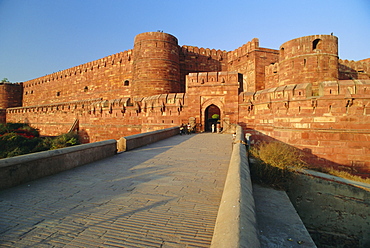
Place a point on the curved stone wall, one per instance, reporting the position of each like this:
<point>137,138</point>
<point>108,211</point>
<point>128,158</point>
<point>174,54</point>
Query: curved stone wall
<point>156,64</point>
<point>309,59</point>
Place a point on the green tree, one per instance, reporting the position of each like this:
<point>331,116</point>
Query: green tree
<point>215,116</point>
<point>4,80</point>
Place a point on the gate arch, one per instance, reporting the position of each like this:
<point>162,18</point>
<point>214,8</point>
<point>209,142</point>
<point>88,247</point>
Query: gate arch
<point>210,107</point>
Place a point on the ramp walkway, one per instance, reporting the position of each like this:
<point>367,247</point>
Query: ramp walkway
<point>165,194</point>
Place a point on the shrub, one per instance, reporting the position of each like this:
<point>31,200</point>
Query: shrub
<point>65,140</point>
<point>278,154</point>
<point>14,144</point>
<point>273,162</point>
<point>19,138</point>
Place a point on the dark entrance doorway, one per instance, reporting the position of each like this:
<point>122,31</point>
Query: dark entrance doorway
<point>212,116</point>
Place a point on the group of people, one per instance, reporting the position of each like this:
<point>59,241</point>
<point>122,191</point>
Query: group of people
<point>217,126</point>
<point>186,129</point>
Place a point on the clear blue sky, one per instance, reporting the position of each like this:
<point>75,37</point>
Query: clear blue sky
<point>39,37</point>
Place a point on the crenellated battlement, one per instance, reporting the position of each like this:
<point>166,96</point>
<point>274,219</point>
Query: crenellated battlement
<point>349,69</point>
<point>343,89</point>
<point>199,52</point>
<point>243,50</point>
<point>210,78</point>
<point>111,60</point>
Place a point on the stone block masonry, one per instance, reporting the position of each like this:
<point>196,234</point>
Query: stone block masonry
<point>332,128</point>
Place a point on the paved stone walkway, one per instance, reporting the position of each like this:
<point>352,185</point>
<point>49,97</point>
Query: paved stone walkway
<point>162,195</point>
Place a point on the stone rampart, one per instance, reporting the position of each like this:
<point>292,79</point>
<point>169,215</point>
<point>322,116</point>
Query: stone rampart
<point>349,69</point>
<point>101,119</point>
<point>25,168</point>
<point>83,82</point>
<point>250,60</point>
<point>195,59</point>
<point>332,127</point>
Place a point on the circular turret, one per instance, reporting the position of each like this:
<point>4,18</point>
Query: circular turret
<point>156,64</point>
<point>309,59</point>
<point>10,95</point>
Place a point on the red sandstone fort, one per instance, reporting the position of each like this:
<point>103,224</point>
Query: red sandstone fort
<point>301,94</point>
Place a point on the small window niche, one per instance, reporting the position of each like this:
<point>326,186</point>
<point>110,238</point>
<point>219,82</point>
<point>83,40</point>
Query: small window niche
<point>86,89</point>
<point>126,83</point>
<point>315,44</point>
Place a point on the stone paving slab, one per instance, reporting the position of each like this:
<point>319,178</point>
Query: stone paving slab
<point>165,194</point>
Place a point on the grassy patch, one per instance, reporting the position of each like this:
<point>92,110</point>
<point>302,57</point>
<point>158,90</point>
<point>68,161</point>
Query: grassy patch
<point>342,174</point>
<point>272,164</point>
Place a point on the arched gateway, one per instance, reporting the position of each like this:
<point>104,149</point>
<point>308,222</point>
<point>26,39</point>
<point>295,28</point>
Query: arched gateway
<point>212,115</point>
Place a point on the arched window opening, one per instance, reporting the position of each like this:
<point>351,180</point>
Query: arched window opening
<point>126,83</point>
<point>315,44</point>
<point>86,89</point>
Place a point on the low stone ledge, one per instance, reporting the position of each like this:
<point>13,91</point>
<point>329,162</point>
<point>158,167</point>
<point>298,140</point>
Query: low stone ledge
<point>236,224</point>
<point>137,140</point>
<point>24,168</point>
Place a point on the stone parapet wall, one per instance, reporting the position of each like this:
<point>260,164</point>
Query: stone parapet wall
<point>138,140</point>
<point>25,168</point>
<point>236,224</point>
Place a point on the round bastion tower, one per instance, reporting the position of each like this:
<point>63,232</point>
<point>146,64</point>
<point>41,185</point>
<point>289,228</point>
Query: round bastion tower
<point>10,95</point>
<point>309,59</point>
<point>156,66</point>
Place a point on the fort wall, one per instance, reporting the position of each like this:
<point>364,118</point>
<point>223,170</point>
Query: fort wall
<point>104,119</point>
<point>194,59</point>
<point>108,78</point>
<point>250,60</point>
<point>354,69</point>
<point>332,128</point>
